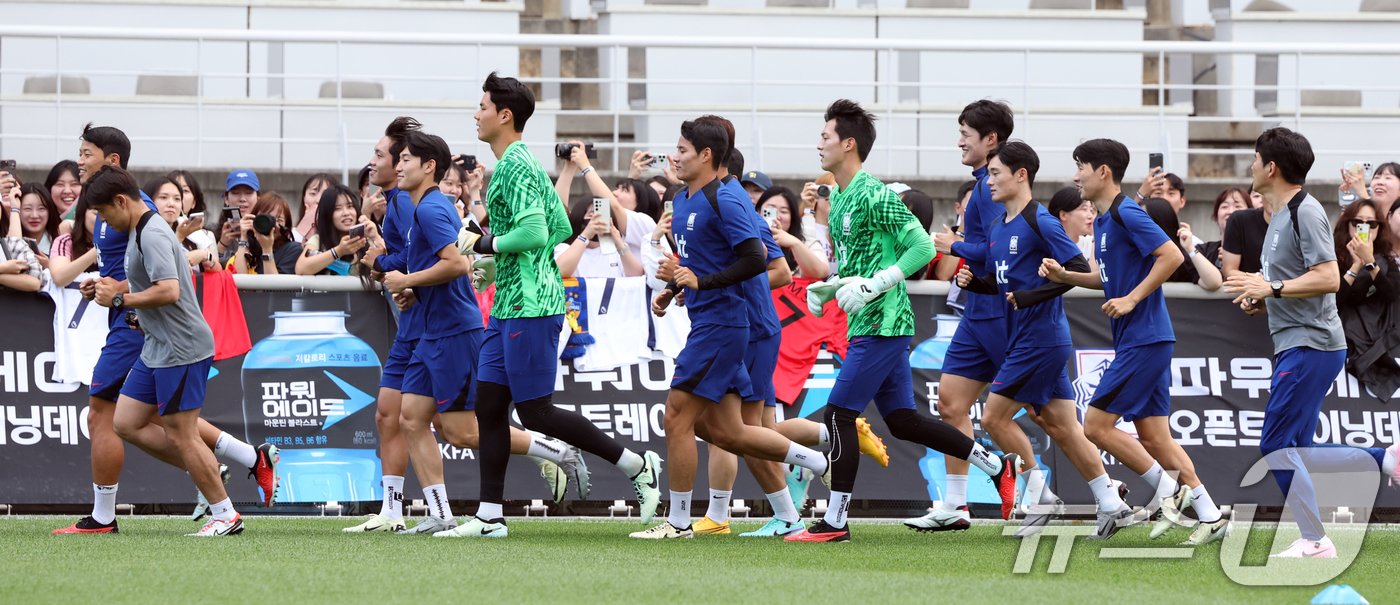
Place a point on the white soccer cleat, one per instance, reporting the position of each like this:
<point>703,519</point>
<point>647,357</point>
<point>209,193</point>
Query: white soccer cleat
<point>1109,522</point>
<point>665,531</point>
<point>1205,533</point>
<point>429,525</point>
<point>646,486</point>
<point>377,523</point>
<point>1170,511</point>
<point>1308,549</point>
<point>1038,516</point>
<point>216,528</point>
<point>201,504</point>
<point>476,528</point>
<point>577,471</point>
<point>941,520</point>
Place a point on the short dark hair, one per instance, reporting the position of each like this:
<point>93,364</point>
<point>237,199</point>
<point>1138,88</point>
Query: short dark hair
<point>853,122</point>
<point>195,190</point>
<point>1067,199</point>
<point>707,134</point>
<point>106,184</point>
<point>1288,150</point>
<point>110,140</point>
<point>736,163</point>
<point>1175,183</point>
<point>728,159</point>
<point>921,204</point>
<point>648,202</point>
<point>397,131</point>
<point>987,116</point>
<point>154,184</point>
<point>362,179</point>
<point>427,147</point>
<point>794,204</point>
<point>965,189</point>
<point>1017,155</point>
<point>1104,152</point>
<point>511,94</point>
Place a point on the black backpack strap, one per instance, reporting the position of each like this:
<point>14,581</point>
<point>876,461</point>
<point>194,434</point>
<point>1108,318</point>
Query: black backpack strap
<point>141,226</point>
<point>1113,211</point>
<point>1029,213</point>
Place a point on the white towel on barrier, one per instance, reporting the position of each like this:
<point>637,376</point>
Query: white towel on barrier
<point>79,331</point>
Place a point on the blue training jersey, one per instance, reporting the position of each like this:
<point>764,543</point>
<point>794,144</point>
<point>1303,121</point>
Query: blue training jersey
<point>1125,258</point>
<point>449,308</point>
<point>763,316</point>
<point>705,243</point>
<point>1015,252</point>
<point>398,224</point>
<point>978,217</point>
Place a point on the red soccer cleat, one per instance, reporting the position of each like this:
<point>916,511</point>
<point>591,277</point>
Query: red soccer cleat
<point>88,525</point>
<point>264,471</point>
<point>820,532</point>
<point>1006,483</point>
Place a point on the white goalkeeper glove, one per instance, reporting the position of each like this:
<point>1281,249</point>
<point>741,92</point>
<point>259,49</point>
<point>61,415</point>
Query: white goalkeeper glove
<point>818,293</point>
<point>469,241</point>
<point>483,272</point>
<point>856,292</point>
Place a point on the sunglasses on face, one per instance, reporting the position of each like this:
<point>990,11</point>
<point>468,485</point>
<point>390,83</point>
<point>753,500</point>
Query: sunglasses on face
<point>1356,223</point>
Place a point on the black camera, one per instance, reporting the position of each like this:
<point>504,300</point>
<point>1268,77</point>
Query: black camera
<point>564,150</point>
<point>824,191</point>
<point>468,162</point>
<point>263,223</point>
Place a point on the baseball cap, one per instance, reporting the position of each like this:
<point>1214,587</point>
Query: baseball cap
<point>898,188</point>
<point>241,177</point>
<point>758,179</point>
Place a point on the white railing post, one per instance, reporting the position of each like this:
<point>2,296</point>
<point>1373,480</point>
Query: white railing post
<point>199,103</point>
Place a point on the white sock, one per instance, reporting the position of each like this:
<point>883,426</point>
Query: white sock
<point>1392,459</point>
<point>719,505</point>
<point>783,508</point>
<point>1154,475</point>
<point>1035,487</point>
<point>957,492</point>
<point>836,509</point>
<point>631,463</point>
<point>436,497</point>
<point>823,435</point>
<point>222,510</point>
<point>806,457</point>
<point>549,449</point>
<point>1104,493</point>
<point>104,503</point>
<point>984,460</point>
<point>679,515</point>
<point>489,511</point>
<point>1205,508</point>
<point>392,507</point>
<point>232,449</point>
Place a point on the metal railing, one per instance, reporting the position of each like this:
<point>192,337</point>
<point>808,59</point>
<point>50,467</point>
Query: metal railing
<point>885,88</point>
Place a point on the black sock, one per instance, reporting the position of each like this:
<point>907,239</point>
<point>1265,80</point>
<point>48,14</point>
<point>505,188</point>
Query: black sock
<point>493,423</point>
<point>569,427</point>
<point>930,432</point>
<point>845,448</point>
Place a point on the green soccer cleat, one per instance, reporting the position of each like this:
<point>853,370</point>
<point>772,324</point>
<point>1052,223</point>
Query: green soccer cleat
<point>646,485</point>
<point>476,528</point>
<point>775,528</point>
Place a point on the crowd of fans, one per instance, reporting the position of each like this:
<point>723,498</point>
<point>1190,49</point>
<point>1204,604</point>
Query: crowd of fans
<point>622,229</point>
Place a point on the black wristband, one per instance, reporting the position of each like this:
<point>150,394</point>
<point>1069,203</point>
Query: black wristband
<point>485,244</point>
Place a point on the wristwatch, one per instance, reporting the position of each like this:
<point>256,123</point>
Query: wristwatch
<point>1277,285</point>
<point>1368,267</point>
<point>118,301</point>
<point>584,238</point>
<point>243,243</point>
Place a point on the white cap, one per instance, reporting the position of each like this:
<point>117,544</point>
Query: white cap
<point>898,188</point>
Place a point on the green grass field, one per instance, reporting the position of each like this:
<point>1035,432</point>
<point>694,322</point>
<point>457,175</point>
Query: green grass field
<point>308,560</point>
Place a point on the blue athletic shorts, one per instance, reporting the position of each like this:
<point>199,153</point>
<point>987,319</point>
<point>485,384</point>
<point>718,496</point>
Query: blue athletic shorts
<point>173,389</point>
<point>442,368</point>
<point>875,368</point>
<point>1138,382</point>
<point>400,353</point>
<point>709,366</point>
<point>522,354</point>
<point>1035,375</point>
<point>977,350</point>
<point>1302,377</point>
<point>119,355</point>
<point>761,360</point>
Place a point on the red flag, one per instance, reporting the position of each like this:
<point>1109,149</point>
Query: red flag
<point>803,336</point>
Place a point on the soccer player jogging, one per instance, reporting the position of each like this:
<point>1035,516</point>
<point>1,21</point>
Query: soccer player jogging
<point>979,344</point>
<point>878,242</point>
<point>718,249</point>
<point>399,221</point>
<point>760,360</point>
<point>1135,258</point>
<point>172,371</point>
<point>1034,375</point>
<point>106,146</point>
<point>1297,287</point>
<point>520,355</point>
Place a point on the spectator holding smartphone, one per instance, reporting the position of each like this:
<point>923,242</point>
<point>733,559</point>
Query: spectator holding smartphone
<point>630,223</point>
<point>266,246</point>
<point>240,194</point>
<point>342,235</point>
<point>1365,300</point>
<point>783,205</point>
<point>200,249</point>
<point>19,269</point>
<point>39,220</point>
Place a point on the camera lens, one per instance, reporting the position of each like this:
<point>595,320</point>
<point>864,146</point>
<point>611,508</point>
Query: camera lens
<point>263,223</point>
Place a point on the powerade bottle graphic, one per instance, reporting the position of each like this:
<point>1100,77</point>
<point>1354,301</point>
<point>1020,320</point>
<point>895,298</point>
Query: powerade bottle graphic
<point>929,354</point>
<point>306,389</point>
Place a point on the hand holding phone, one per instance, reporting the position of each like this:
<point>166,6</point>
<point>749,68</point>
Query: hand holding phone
<point>357,231</point>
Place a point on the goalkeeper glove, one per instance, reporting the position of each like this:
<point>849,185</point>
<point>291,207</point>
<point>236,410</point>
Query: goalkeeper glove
<point>818,293</point>
<point>856,292</point>
<point>483,272</point>
<point>470,240</point>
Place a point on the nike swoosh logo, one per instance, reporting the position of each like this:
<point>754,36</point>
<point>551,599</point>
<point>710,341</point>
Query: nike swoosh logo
<point>653,479</point>
<point>485,531</point>
<point>443,401</point>
<point>1282,374</point>
<point>515,334</point>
